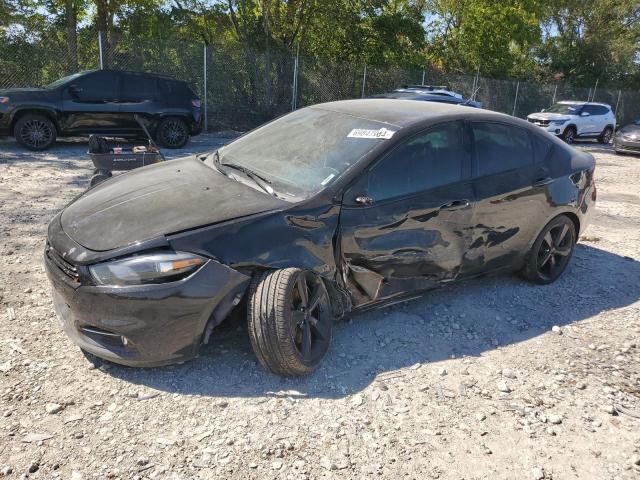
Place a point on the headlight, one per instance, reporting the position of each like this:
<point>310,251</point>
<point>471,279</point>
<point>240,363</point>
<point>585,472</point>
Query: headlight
<point>557,122</point>
<point>4,99</point>
<point>161,267</point>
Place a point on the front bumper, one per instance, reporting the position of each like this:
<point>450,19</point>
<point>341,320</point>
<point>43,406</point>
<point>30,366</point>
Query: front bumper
<point>626,146</point>
<point>553,129</point>
<point>147,325</point>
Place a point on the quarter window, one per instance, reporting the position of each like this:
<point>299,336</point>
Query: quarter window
<point>431,159</point>
<point>501,147</point>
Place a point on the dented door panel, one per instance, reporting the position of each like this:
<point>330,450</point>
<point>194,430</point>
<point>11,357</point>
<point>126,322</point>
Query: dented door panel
<point>406,245</point>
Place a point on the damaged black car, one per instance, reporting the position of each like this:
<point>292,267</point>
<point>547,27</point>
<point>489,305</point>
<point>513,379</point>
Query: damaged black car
<point>328,210</point>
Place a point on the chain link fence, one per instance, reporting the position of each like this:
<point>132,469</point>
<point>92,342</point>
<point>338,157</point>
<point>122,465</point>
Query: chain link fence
<point>243,88</point>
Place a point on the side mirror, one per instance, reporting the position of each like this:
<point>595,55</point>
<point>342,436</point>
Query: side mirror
<point>585,114</point>
<point>75,90</point>
<point>542,111</point>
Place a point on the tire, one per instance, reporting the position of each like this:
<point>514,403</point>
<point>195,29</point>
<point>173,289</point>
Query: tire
<point>569,135</point>
<point>551,252</point>
<point>289,335</point>
<point>35,132</point>
<point>605,136</point>
<point>99,177</point>
<point>172,132</point>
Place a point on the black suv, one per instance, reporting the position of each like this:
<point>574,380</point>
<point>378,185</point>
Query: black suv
<point>101,102</point>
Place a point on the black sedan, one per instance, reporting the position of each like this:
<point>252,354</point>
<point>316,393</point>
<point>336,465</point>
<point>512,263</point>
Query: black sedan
<point>627,139</point>
<point>330,209</point>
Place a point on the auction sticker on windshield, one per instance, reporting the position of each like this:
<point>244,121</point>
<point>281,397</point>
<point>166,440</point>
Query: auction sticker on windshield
<point>382,133</point>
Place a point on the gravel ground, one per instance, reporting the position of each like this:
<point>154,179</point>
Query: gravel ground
<point>492,378</point>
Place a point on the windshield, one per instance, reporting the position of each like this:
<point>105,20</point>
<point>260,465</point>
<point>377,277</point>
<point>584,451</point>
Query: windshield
<point>564,108</point>
<point>301,153</point>
<point>63,80</point>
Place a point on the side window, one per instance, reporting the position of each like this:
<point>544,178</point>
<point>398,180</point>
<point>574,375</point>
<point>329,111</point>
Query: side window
<point>97,87</point>
<point>430,159</point>
<point>137,87</point>
<point>601,110</point>
<point>501,147</point>
<point>541,147</point>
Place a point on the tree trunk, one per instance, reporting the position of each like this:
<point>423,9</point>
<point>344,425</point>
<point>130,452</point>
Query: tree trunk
<point>71,15</point>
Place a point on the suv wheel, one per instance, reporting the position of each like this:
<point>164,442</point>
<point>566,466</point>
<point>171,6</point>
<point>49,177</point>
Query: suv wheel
<point>569,135</point>
<point>605,136</point>
<point>172,133</point>
<point>35,132</point>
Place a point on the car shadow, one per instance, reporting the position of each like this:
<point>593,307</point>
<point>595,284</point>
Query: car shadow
<point>464,319</point>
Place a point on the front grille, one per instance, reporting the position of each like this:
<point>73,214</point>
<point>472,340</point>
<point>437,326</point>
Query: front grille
<point>542,123</point>
<point>67,268</point>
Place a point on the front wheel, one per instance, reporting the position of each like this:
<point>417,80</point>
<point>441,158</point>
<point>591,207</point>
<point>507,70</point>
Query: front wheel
<point>551,251</point>
<point>605,136</point>
<point>172,132</point>
<point>289,321</point>
<point>35,132</point>
<point>569,135</point>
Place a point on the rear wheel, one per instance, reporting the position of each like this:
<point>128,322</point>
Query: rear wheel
<point>605,136</point>
<point>35,132</point>
<point>289,321</point>
<point>173,132</point>
<point>551,251</point>
<point>569,135</point>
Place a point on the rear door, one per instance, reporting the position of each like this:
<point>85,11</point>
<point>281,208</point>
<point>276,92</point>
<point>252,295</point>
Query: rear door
<point>89,104</point>
<point>510,187</point>
<point>139,95</point>
<point>404,223</point>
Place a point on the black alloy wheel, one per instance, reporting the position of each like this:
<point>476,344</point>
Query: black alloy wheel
<point>569,135</point>
<point>35,132</point>
<point>173,133</point>
<point>290,321</point>
<point>551,251</point>
<point>606,135</point>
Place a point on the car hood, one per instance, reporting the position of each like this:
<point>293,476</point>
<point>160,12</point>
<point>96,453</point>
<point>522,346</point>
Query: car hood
<point>629,130</point>
<point>549,116</point>
<point>158,200</point>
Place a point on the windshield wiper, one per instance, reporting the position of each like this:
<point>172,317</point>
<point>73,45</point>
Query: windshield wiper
<point>258,179</point>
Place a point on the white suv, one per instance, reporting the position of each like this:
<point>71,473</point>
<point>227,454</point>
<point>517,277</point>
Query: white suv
<point>571,120</point>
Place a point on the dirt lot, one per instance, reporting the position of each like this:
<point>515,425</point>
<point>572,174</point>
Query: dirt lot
<point>488,379</point>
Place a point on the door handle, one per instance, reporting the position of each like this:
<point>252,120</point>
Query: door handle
<point>364,200</point>
<point>455,205</point>
<point>541,182</point>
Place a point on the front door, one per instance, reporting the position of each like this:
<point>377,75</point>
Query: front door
<point>404,223</point>
<point>90,105</point>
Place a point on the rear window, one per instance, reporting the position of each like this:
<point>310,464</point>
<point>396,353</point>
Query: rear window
<point>138,87</point>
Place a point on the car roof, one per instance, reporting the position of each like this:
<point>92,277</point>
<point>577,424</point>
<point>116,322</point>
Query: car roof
<point>150,74</point>
<point>402,113</point>
<point>577,102</point>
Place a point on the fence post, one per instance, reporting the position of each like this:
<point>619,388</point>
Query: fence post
<point>294,89</point>
<point>100,49</point>
<point>423,73</point>
<point>617,103</point>
<point>555,90</point>
<point>515,101</point>
<point>364,79</point>
<point>204,68</point>
<point>594,90</point>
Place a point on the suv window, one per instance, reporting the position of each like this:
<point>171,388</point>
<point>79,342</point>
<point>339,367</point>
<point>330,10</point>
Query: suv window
<point>430,159</point>
<point>596,109</point>
<point>96,86</point>
<point>500,147</point>
<point>136,87</point>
